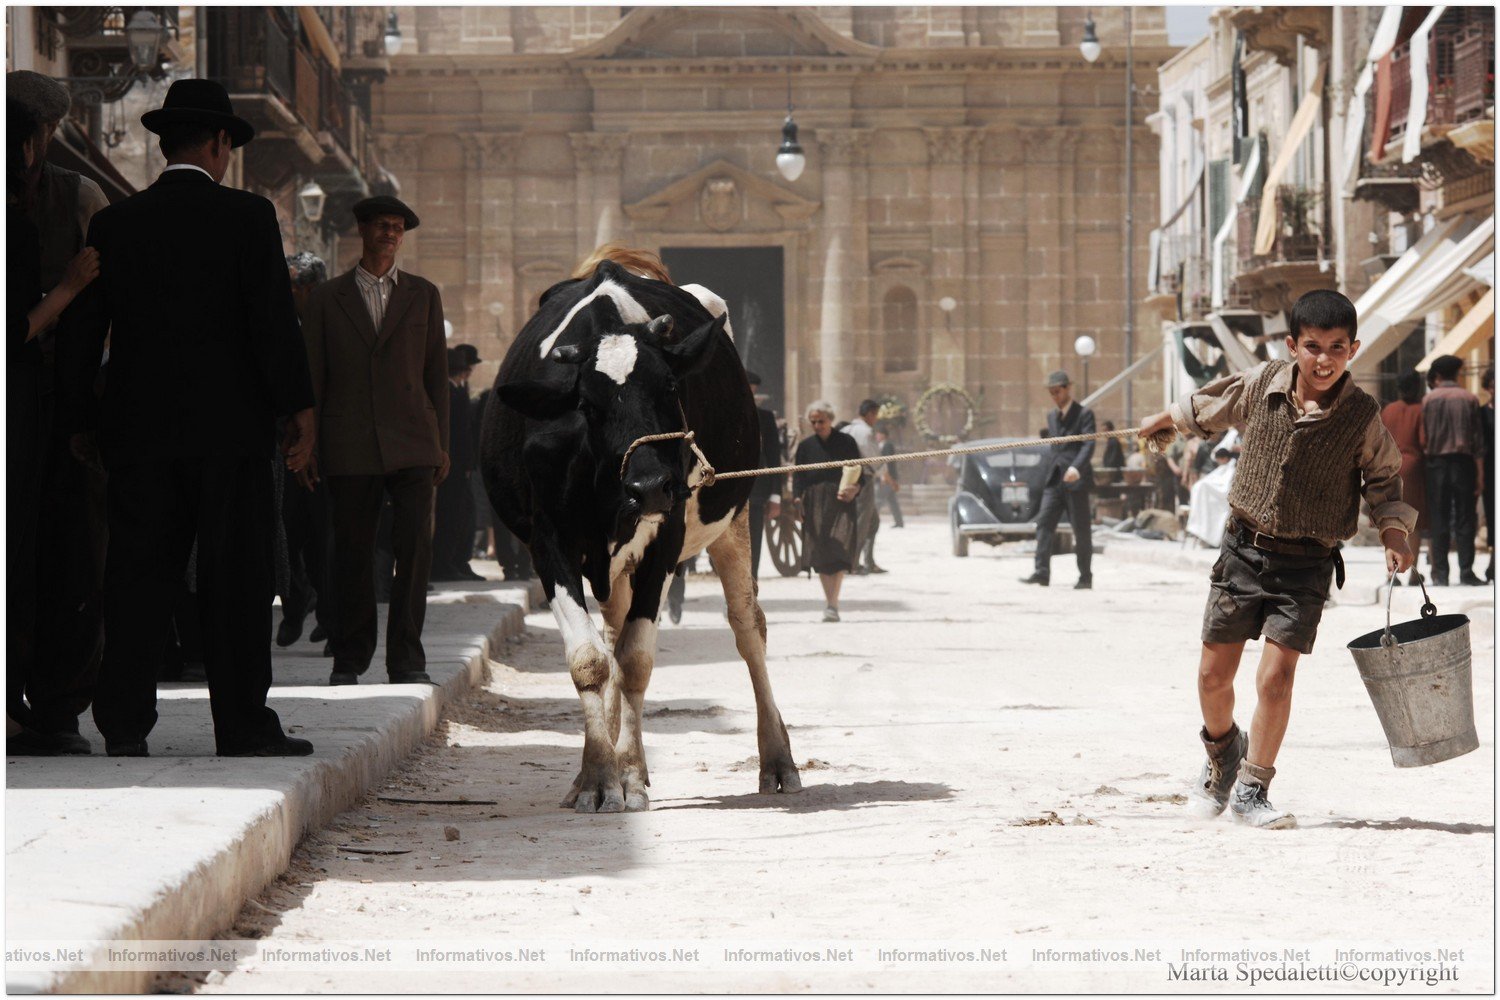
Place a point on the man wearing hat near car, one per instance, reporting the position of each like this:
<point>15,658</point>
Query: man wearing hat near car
<point>1066,482</point>
<point>379,360</point>
<point>204,356</point>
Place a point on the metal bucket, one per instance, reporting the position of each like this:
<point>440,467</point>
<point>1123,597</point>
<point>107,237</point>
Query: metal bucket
<point>1418,676</point>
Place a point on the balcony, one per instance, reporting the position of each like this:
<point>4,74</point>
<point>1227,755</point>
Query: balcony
<point>1293,266</point>
<point>1461,81</point>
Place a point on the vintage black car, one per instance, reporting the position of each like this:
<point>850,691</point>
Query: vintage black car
<point>997,496</point>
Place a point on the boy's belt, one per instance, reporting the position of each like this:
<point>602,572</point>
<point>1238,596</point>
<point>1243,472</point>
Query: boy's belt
<point>1281,546</point>
<point>1290,547</point>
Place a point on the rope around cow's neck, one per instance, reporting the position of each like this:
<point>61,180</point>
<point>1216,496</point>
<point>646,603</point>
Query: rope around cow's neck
<point>1157,443</point>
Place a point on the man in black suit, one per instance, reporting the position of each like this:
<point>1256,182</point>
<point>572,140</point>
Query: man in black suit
<point>1066,484</point>
<point>204,355</point>
<point>453,526</point>
<point>765,497</point>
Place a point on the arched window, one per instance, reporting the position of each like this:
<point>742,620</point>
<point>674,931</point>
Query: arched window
<point>899,323</point>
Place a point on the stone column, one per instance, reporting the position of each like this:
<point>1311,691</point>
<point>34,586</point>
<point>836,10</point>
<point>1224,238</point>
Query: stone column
<point>843,270</point>
<point>599,217</point>
<point>947,187</point>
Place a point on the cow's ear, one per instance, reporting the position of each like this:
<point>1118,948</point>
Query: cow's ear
<point>689,356</point>
<point>540,400</point>
<point>663,328</point>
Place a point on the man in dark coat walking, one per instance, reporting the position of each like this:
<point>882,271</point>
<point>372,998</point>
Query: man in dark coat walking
<point>1066,484</point>
<point>204,356</point>
<point>453,525</point>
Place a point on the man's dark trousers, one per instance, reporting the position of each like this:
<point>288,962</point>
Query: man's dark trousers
<point>306,520</point>
<point>1057,499</point>
<point>1452,501</point>
<point>757,535</point>
<point>156,509</point>
<point>453,529</point>
<point>356,502</point>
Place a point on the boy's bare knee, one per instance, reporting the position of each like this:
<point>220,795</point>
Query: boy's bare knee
<point>1275,684</point>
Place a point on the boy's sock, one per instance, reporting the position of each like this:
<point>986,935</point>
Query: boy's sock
<point>1249,804</point>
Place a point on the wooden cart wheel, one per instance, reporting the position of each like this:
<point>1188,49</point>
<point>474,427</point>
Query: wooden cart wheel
<point>784,539</point>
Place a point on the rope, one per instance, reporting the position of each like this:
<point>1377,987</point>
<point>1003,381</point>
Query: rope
<point>1158,443</point>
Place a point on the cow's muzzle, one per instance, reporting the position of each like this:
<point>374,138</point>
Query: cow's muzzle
<point>652,494</point>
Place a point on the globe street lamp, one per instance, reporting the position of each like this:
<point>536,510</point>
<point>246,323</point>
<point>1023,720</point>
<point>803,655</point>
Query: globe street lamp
<point>1090,44</point>
<point>1085,347</point>
<point>789,157</point>
<point>392,36</point>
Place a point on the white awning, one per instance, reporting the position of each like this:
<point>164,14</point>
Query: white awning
<point>1477,325</point>
<point>1302,123</point>
<point>1416,115</point>
<point>1433,283</point>
<point>1247,178</point>
<point>1354,115</point>
<point>1235,351</point>
<point>1484,271</point>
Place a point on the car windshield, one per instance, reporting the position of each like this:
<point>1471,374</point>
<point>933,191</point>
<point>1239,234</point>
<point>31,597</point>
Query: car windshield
<point>1013,459</point>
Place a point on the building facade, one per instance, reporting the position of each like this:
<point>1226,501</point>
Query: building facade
<point>960,219</point>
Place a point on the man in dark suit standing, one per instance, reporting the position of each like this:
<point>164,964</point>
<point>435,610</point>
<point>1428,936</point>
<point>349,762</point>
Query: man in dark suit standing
<point>193,284</point>
<point>379,360</point>
<point>1067,482</point>
<point>453,525</point>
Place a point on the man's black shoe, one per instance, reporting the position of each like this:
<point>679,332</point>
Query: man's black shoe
<point>341,677</point>
<point>468,574</point>
<point>282,746</point>
<point>290,629</point>
<point>1084,583</point>
<point>126,748</point>
<point>1038,579</point>
<point>1470,580</point>
<point>410,677</point>
<point>318,634</point>
<point>29,743</point>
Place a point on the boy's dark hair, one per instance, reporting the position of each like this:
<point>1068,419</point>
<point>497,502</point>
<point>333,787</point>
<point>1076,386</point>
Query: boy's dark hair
<point>1409,387</point>
<point>1447,367</point>
<point>1325,310</point>
<point>868,406</point>
<point>188,135</point>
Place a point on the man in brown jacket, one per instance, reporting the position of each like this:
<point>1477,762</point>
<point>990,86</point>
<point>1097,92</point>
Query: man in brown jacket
<point>379,364</point>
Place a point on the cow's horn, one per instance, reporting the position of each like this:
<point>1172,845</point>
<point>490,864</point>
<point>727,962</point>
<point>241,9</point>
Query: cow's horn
<point>661,327</point>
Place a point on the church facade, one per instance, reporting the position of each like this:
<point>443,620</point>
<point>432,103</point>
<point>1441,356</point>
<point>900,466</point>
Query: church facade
<point>959,220</point>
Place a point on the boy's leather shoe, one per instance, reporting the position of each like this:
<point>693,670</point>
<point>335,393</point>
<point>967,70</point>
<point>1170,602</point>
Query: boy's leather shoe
<point>1248,802</point>
<point>1210,795</point>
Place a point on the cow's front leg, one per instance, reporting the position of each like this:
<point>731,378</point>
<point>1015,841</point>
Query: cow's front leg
<point>597,787</point>
<point>731,555</point>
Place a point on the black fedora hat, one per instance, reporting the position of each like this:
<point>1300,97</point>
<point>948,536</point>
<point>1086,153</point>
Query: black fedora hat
<point>199,102</point>
<point>384,204</point>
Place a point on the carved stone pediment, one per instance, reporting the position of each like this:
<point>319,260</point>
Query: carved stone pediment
<point>722,32</point>
<point>721,197</point>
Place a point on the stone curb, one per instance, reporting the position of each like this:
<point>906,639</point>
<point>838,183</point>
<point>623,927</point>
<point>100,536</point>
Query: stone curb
<point>201,902</point>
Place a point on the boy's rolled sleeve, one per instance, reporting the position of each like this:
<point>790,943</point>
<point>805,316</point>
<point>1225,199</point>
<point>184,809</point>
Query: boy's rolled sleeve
<point>1215,407</point>
<point>1380,465</point>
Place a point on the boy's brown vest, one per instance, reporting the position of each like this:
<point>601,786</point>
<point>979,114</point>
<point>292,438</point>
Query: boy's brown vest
<point>1301,482</point>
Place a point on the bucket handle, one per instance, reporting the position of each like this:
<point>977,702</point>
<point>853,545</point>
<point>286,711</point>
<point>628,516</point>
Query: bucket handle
<point>1429,610</point>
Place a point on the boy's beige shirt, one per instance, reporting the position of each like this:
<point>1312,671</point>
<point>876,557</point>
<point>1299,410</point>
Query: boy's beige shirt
<point>1223,403</point>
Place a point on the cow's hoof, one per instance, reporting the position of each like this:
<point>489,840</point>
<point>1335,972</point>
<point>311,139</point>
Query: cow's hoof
<point>595,791</point>
<point>637,801</point>
<point>780,776</point>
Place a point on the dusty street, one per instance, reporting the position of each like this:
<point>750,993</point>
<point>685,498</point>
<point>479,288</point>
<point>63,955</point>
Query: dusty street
<point>987,766</point>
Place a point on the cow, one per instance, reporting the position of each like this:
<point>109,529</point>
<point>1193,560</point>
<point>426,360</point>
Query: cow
<point>606,360</point>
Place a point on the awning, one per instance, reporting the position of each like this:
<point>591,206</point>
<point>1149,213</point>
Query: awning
<point>1247,179</point>
<point>1155,241</point>
<point>1302,122</point>
<point>1483,272</point>
<point>1235,351</point>
<point>1435,282</point>
<point>1477,325</point>
<point>317,33</point>
<point>1354,115</point>
<point>1445,233</point>
<point>1416,115</point>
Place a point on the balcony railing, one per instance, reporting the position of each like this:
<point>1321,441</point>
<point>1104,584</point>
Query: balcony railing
<point>1474,70</point>
<point>1297,238</point>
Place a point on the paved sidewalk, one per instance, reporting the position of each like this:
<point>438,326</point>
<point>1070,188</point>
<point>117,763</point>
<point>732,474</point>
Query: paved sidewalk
<point>171,846</point>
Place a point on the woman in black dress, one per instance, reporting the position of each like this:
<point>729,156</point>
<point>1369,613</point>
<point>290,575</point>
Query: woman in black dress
<point>827,499</point>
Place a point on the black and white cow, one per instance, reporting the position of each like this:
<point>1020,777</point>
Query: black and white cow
<point>607,360</point>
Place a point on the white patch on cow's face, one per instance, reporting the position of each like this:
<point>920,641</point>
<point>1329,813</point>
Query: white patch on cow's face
<point>711,301</point>
<point>631,311</point>
<point>625,556</point>
<point>616,356</point>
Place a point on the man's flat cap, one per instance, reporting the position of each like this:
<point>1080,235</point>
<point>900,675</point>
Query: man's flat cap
<point>384,204</point>
<point>42,95</point>
<point>1058,379</point>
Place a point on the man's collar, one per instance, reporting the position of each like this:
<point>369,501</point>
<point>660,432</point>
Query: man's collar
<point>360,272</point>
<point>188,166</point>
<point>1285,381</point>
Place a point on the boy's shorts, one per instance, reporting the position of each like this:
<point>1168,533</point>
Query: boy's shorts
<point>1253,591</point>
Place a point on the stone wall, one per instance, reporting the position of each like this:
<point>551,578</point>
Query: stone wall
<point>953,152</point>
